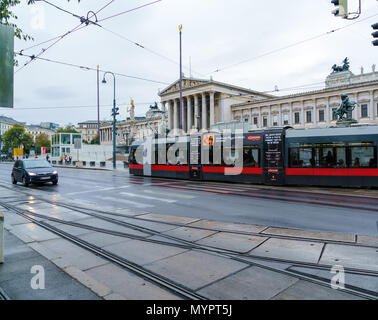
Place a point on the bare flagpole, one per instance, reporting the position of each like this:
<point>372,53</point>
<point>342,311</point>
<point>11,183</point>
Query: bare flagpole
<point>181,106</point>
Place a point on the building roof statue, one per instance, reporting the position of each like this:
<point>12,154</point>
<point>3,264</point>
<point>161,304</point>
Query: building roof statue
<point>344,67</point>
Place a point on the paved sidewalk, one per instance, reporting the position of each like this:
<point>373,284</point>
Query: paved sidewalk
<point>16,276</point>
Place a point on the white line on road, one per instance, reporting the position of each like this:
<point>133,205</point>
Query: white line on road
<point>129,202</point>
<point>184,196</point>
<point>148,197</point>
<point>95,190</point>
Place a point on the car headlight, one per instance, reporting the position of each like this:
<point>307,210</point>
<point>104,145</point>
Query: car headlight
<point>55,172</point>
<point>32,174</point>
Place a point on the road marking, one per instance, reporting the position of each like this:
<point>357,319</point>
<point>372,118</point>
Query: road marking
<point>136,204</point>
<point>95,190</point>
<point>170,194</point>
<point>148,197</point>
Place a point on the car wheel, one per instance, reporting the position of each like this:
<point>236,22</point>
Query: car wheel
<point>14,181</point>
<point>26,184</point>
<point>55,183</point>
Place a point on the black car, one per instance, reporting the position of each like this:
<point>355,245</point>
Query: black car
<point>34,171</point>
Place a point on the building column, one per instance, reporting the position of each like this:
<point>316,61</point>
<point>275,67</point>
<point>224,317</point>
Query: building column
<point>314,111</point>
<point>303,115</point>
<point>280,122</point>
<point>189,113</point>
<point>204,111</point>
<point>196,112</point>
<point>259,122</point>
<point>328,112</point>
<point>212,109</point>
<point>176,114</point>
<point>291,120</point>
<point>169,115</point>
<point>371,111</point>
<point>184,115</point>
<point>269,118</point>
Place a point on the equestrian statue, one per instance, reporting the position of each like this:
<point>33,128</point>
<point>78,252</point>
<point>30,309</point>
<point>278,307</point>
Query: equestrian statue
<point>345,109</point>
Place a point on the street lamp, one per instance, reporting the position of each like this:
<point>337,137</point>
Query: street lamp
<point>114,114</point>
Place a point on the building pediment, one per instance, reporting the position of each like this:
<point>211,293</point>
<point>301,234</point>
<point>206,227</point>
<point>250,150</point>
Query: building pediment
<point>186,84</point>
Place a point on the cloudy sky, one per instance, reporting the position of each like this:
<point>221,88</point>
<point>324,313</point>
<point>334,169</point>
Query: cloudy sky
<point>217,35</point>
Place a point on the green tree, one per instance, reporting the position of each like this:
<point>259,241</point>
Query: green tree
<point>68,129</point>
<point>16,137</point>
<point>42,140</point>
<point>95,140</point>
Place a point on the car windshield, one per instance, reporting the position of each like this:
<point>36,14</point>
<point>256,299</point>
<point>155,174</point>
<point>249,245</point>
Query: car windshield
<point>38,163</point>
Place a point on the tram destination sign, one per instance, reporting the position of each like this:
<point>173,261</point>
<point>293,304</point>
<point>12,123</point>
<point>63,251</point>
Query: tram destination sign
<point>6,66</point>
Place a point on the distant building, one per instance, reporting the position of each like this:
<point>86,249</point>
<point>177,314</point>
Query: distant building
<point>50,125</point>
<point>134,128</point>
<point>6,123</point>
<point>211,104</point>
<point>35,130</point>
<point>88,129</point>
<point>314,108</point>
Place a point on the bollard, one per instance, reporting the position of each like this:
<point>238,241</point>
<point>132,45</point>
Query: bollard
<point>1,238</point>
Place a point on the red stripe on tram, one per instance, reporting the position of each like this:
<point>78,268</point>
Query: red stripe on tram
<point>136,166</point>
<point>232,170</point>
<point>169,168</point>
<point>356,172</point>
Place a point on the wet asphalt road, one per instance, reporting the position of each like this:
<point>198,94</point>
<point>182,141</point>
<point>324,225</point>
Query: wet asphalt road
<point>216,201</point>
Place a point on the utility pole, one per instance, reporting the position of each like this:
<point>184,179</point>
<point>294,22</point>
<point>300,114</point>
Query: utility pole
<point>114,114</point>
<point>98,104</point>
<point>181,106</point>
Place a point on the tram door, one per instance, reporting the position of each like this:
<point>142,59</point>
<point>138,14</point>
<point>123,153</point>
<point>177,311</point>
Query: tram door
<point>195,157</point>
<point>274,172</point>
<point>148,154</point>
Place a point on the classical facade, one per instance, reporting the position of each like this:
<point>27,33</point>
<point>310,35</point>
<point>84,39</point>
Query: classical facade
<point>315,108</point>
<point>134,128</point>
<point>205,102</point>
<point>88,129</point>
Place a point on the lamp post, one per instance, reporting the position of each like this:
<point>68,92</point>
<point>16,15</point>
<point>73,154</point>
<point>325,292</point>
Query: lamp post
<point>114,114</point>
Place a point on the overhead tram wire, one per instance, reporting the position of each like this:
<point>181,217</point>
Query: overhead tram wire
<point>90,68</point>
<point>130,10</point>
<point>78,27</point>
<point>291,45</point>
<point>147,49</point>
<point>75,107</point>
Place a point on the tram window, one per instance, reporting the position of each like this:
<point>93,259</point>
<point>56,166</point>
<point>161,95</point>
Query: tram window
<point>341,158</point>
<point>250,156</point>
<point>325,157</point>
<point>301,158</point>
<point>363,157</point>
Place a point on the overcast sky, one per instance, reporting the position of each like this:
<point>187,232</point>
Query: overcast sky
<point>217,34</point>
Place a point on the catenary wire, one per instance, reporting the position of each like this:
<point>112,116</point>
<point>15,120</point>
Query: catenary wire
<point>291,45</point>
<point>88,68</point>
<point>78,27</point>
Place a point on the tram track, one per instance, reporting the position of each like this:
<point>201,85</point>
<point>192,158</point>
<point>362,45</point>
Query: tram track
<point>190,246</point>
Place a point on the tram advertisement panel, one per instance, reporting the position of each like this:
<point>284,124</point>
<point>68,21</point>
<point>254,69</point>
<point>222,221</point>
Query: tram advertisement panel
<point>273,157</point>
